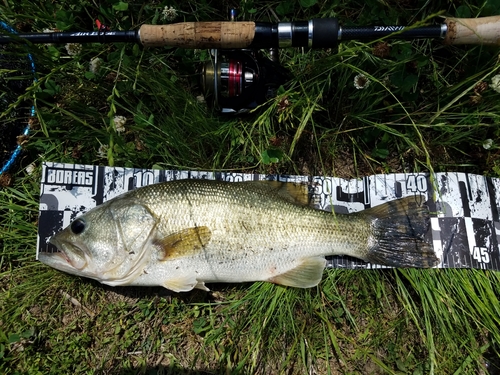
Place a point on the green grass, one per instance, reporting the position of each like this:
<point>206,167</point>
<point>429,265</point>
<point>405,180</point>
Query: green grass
<point>428,108</point>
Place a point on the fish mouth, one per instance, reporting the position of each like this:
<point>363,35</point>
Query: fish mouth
<point>69,258</point>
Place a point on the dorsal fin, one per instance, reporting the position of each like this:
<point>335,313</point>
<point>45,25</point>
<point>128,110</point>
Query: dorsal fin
<point>290,191</point>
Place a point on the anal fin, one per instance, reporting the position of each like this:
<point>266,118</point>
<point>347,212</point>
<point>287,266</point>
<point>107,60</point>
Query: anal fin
<point>306,275</point>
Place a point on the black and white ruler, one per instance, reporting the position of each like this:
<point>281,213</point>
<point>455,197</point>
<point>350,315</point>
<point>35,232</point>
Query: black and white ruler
<point>465,207</point>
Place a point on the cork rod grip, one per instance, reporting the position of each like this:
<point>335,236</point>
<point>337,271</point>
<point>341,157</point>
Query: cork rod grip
<point>198,35</point>
<point>484,30</point>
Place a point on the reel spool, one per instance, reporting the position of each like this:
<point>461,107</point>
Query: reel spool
<point>237,81</point>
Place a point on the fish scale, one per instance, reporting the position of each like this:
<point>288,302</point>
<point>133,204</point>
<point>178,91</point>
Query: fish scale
<point>183,234</point>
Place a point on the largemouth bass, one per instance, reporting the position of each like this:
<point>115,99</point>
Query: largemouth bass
<point>183,234</point>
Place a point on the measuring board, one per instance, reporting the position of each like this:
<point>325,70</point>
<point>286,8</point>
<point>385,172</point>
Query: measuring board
<point>465,222</point>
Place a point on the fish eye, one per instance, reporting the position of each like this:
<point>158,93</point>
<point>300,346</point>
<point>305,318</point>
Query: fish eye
<point>78,226</point>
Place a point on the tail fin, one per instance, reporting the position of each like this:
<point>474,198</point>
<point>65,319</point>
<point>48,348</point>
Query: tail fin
<point>397,240</point>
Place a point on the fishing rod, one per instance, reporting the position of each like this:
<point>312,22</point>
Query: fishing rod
<point>315,33</point>
<point>239,77</point>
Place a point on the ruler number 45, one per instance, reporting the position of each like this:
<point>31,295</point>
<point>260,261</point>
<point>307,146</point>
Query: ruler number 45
<point>481,254</point>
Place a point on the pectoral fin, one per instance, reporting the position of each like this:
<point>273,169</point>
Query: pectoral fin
<point>306,275</point>
<point>184,243</point>
<point>184,283</point>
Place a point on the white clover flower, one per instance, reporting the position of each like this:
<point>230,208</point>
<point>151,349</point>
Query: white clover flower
<point>361,81</point>
<point>119,123</point>
<point>169,13</point>
<point>495,83</point>
<point>95,65</point>
<point>102,152</point>
<point>30,168</point>
<point>488,143</point>
<point>73,49</point>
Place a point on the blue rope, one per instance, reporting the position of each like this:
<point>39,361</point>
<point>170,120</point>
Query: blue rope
<point>26,130</point>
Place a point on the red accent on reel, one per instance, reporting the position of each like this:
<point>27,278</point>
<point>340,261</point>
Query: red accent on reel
<point>235,78</point>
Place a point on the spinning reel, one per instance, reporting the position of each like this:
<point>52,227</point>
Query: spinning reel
<point>237,81</point>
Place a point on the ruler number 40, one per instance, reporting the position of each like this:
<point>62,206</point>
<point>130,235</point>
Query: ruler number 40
<point>416,184</point>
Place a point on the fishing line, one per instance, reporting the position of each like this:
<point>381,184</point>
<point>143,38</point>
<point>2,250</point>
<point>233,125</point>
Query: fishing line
<point>17,72</point>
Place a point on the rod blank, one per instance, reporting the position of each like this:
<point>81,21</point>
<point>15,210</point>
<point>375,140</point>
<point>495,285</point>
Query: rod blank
<point>73,37</point>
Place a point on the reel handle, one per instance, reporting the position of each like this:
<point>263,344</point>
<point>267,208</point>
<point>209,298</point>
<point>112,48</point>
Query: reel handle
<point>484,30</point>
